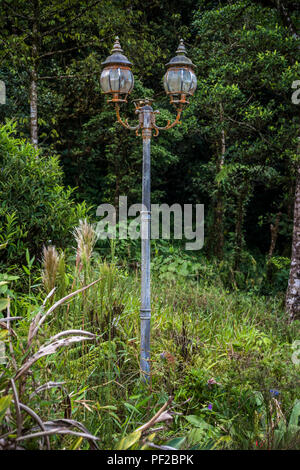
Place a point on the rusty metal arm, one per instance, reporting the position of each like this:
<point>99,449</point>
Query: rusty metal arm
<point>174,123</point>
<point>125,123</point>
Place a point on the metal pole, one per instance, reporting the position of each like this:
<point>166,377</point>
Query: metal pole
<point>145,312</point>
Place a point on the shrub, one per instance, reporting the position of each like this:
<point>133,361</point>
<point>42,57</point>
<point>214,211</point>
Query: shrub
<point>35,207</point>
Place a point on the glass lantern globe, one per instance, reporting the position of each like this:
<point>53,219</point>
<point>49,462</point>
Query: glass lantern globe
<point>116,78</point>
<point>180,79</point>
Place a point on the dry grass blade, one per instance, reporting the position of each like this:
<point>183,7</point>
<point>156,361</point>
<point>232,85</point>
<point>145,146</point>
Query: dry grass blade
<point>17,406</point>
<point>48,296</point>
<point>37,318</point>
<point>60,430</point>
<point>166,416</point>
<point>50,349</point>
<point>46,386</point>
<point>38,420</point>
<point>10,334</point>
<point>153,430</point>
<point>73,332</point>
<point>57,304</point>
<point>156,417</point>
<point>64,422</point>
<point>4,320</point>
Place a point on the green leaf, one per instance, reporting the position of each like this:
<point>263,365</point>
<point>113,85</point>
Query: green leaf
<point>3,304</point>
<point>295,415</point>
<point>107,407</point>
<point>27,256</point>
<point>198,422</point>
<point>129,440</point>
<point>76,444</point>
<point>176,443</point>
<point>26,270</point>
<point>4,405</point>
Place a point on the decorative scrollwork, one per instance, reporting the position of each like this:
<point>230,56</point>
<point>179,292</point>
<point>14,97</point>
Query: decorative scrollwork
<point>125,123</point>
<point>140,112</point>
<point>174,123</point>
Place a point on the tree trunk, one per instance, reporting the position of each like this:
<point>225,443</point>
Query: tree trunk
<point>218,225</point>
<point>217,236</point>
<point>274,234</point>
<point>274,229</point>
<point>34,77</point>
<point>293,290</point>
<point>33,109</point>
<point>283,12</point>
<point>239,237</point>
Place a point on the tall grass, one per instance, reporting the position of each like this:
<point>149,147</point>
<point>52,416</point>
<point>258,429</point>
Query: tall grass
<point>199,334</point>
<point>218,353</point>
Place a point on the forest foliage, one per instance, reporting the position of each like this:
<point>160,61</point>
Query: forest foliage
<point>224,357</point>
<point>247,60</point>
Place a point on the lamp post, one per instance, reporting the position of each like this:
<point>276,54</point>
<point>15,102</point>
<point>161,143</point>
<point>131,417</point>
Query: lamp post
<point>117,81</point>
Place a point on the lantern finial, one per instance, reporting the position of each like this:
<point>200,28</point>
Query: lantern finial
<point>181,48</point>
<point>117,46</point>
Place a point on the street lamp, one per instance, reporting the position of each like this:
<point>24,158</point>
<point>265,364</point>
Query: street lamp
<point>180,82</point>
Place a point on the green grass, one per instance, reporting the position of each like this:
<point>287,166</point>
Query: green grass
<point>208,346</point>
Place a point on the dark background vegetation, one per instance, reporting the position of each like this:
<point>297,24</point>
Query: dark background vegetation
<point>223,349</point>
<point>246,59</point>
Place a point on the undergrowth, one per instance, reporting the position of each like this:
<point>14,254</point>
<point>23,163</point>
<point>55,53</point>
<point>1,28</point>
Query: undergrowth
<point>224,357</point>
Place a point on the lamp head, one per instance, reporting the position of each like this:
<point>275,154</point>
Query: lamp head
<point>180,80</point>
<point>116,78</point>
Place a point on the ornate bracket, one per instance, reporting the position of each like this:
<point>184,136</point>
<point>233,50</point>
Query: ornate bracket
<point>174,123</point>
<point>125,123</point>
<point>147,118</point>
